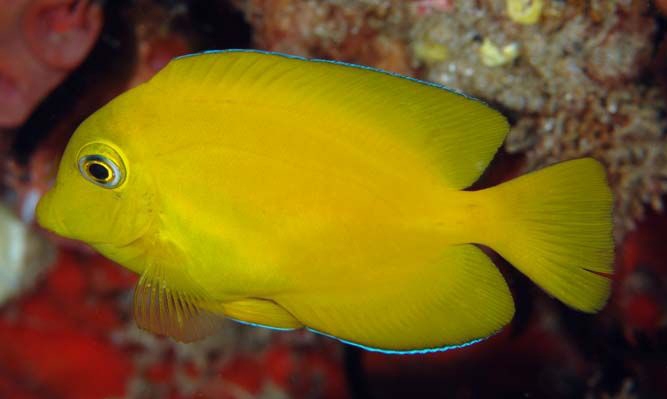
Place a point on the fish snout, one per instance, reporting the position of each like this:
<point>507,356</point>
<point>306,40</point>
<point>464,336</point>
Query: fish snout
<point>46,215</point>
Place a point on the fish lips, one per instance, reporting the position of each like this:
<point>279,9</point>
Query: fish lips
<point>47,216</point>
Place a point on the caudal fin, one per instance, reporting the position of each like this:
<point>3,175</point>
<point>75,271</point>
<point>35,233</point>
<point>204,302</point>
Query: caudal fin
<point>556,227</point>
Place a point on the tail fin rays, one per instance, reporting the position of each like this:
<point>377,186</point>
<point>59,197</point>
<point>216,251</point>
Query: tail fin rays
<point>556,227</point>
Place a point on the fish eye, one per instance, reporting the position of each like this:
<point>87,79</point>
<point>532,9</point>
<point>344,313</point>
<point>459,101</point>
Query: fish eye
<point>100,170</point>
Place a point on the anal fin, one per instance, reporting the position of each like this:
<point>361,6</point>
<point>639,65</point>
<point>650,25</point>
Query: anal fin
<point>261,312</point>
<point>457,299</point>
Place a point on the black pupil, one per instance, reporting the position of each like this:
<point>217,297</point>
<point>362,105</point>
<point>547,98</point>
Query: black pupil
<point>98,171</point>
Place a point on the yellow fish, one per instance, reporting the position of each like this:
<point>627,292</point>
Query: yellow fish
<point>290,193</point>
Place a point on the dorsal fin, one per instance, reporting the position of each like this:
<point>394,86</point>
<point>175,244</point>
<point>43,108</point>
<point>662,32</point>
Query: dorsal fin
<point>457,133</point>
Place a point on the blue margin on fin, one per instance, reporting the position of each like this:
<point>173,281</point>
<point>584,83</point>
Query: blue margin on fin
<point>369,348</point>
<point>247,323</point>
<point>407,352</point>
<point>346,64</point>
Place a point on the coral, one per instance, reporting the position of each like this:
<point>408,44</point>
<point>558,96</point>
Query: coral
<point>371,32</point>
<point>573,91</point>
<point>525,12</point>
<point>157,40</point>
<point>23,255</point>
<point>56,335</point>
<point>640,293</point>
<point>662,5</point>
<point>430,52</point>
<point>493,56</point>
<point>241,361</point>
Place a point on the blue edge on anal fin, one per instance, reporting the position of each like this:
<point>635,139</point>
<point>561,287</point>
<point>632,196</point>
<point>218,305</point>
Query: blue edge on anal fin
<point>368,348</point>
<point>347,64</point>
<point>408,352</point>
<point>247,323</point>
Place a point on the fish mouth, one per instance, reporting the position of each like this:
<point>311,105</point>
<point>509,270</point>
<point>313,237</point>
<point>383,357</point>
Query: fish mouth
<point>48,218</point>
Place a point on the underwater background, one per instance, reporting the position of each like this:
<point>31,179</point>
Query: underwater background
<point>576,78</point>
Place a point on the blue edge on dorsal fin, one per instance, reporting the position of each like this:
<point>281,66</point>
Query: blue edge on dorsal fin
<point>347,64</point>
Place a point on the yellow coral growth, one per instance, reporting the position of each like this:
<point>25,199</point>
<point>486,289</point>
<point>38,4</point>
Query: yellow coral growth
<point>526,12</point>
<point>492,56</point>
<point>430,52</point>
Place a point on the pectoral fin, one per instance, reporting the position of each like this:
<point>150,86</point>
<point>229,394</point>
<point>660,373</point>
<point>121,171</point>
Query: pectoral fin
<point>171,305</point>
<point>261,312</point>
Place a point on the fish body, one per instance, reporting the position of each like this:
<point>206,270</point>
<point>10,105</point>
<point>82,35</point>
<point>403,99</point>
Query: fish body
<point>294,193</point>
